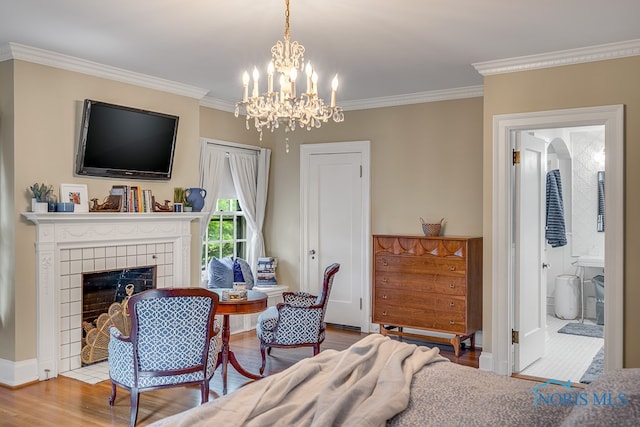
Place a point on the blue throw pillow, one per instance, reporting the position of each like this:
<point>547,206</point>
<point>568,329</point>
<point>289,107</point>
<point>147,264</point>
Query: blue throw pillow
<point>246,272</point>
<point>237,272</point>
<point>221,273</point>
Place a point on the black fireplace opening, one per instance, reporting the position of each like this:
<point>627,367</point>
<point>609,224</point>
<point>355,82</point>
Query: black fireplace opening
<point>100,289</point>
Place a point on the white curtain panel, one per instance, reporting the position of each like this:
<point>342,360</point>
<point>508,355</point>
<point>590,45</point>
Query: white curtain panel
<point>264,160</point>
<point>244,171</point>
<point>212,169</point>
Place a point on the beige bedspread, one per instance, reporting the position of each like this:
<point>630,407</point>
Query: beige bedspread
<point>377,372</point>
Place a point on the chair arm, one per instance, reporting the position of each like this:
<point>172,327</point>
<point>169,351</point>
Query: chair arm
<point>121,366</point>
<point>115,333</point>
<point>214,347</point>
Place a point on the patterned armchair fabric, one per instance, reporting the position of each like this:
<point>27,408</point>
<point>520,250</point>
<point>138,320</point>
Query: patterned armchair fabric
<point>298,322</point>
<point>174,342</point>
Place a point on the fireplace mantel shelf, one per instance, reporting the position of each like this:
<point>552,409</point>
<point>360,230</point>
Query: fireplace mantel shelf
<point>74,217</point>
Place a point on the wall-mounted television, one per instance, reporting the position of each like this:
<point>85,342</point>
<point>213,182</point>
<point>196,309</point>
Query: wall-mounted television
<point>124,142</point>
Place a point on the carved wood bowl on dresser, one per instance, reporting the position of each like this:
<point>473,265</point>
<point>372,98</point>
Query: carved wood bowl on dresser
<point>431,283</point>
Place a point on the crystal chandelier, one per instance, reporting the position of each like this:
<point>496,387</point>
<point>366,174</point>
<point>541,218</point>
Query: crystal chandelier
<point>272,108</point>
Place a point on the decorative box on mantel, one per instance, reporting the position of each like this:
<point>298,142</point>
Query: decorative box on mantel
<point>84,234</point>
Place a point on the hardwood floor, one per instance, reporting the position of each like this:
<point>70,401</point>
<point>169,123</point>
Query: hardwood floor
<point>65,401</point>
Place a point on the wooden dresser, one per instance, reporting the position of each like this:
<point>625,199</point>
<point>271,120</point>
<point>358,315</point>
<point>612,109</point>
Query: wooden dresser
<point>429,283</point>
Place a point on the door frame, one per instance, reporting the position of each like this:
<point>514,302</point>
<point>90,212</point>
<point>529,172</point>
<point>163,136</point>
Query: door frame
<point>612,117</point>
<point>364,148</point>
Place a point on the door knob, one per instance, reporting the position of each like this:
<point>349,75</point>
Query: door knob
<point>312,252</point>
<point>545,265</point>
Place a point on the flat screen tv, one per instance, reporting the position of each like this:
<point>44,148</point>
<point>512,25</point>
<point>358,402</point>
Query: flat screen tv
<point>124,142</point>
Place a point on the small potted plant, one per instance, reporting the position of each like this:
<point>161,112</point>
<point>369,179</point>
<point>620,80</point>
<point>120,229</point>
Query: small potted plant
<point>178,199</point>
<point>41,194</point>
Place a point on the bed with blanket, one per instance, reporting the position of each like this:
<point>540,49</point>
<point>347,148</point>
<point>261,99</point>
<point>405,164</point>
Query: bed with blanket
<point>380,381</point>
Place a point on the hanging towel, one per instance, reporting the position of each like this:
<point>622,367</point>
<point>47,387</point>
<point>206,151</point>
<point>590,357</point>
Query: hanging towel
<point>555,228</point>
<point>600,201</point>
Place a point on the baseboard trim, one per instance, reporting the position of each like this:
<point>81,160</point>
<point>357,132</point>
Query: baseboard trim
<point>485,363</point>
<point>14,374</point>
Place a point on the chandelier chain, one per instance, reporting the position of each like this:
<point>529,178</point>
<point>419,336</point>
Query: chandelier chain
<point>286,25</point>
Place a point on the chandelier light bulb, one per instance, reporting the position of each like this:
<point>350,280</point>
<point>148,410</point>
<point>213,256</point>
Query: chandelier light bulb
<point>334,87</point>
<point>245,87</point>
<point>256,75</point>
<point>314,83</point>
<point>270,70</point>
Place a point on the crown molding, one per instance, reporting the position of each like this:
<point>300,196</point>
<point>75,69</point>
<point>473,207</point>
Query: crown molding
<point>385,101</point>
<point>218,104</point>
<point>71,63</point>
<point>559,58</point>
<point>414,98</point>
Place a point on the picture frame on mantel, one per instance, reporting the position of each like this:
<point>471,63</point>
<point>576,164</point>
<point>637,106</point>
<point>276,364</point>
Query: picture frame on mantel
<point>77,194</point>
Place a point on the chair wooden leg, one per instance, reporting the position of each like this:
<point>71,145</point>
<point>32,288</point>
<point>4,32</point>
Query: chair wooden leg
<point>204,391</point>
<point>316,349</point>
<point>134,406</point>
<point>264,357</point>
<point>112,398</point>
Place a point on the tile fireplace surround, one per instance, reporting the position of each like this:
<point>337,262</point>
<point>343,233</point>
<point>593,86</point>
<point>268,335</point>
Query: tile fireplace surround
<point>68,245</point>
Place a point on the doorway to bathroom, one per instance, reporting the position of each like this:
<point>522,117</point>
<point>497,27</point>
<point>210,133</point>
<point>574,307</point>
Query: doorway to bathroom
<point>559,207</point>
<point>508,334</point>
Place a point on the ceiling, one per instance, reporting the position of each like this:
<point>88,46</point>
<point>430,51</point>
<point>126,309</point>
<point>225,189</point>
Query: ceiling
<point>379,48</point>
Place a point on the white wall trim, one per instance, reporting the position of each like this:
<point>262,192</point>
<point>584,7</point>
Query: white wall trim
<point>612,117</point>
<point>559,58</point>
<point>71,63</point>
<point>14,374</point>
<point>486,361</point>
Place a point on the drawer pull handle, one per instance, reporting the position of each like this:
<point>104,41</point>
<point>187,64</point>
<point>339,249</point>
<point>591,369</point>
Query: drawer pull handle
<point>384,313</point>
<point>452,285</point>
<point>384,296</point>
<point>452,322</point>
<point>452,304</point>
<point>384,262</point>
<point>452,268</point>
<point>385,280</point>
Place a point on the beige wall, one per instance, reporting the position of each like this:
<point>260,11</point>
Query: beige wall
<point>47,109</point>
<point>425,161</point>
<point>592,84</point>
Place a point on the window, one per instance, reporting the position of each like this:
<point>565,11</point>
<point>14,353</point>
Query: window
<point>226,234</point>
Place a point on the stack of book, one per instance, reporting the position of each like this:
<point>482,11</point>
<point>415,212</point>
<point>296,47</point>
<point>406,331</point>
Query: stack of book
<point>134,198</point>
<point>266,271</point>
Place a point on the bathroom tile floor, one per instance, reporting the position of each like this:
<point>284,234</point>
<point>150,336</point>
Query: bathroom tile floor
<point>566,357</point>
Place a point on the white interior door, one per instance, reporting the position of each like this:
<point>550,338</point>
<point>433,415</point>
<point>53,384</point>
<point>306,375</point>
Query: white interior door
<point>530,277</point>
<point>334,230</point>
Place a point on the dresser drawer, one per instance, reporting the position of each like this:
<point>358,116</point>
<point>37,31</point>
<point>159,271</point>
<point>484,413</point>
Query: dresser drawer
<point>389,297</point>
<point>454,322</point>
<point>425,283</point>
<point>420,265</point>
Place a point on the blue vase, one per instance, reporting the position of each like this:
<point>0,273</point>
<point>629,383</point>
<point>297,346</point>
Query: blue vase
<point>196,197</point>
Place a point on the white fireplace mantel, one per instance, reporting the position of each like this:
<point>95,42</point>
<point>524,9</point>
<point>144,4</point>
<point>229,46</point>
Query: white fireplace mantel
<point>60,231</point>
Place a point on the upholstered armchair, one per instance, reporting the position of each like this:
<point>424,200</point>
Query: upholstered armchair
<point>173,342</point>
<point>298,322</point>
